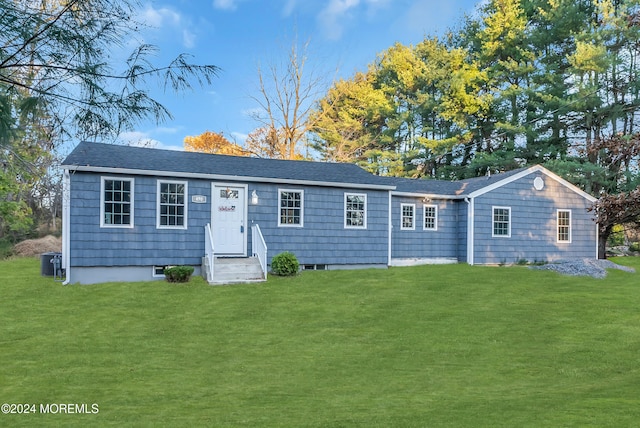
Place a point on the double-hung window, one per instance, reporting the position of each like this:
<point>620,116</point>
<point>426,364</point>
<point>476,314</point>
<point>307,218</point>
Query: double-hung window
<point>501,222</point>
<point>430,217</point>
<point>172,205</point>
<point>355,210</point>
<point>564,225</point>
<point>116,202</point>
<point>407,216</point>
<point>291,206</point>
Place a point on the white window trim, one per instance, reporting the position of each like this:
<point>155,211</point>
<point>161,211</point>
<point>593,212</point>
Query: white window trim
<point>558,226</point>
<point>364,223</point>
<point>131,204</point>
<point>280,224</point>
<point>413,217</point>
<point>154,274</point>
<point>186,204</point>
<point>435,218</point>
<point>493,235</point>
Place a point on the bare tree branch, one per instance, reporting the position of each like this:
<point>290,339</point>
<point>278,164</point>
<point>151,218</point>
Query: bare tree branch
<point>286,95</point>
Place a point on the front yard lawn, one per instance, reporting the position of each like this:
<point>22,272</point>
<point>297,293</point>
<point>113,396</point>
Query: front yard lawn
<point>453,345</point>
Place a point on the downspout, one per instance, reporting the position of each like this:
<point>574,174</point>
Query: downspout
<point>389,234</point>
<point>66,222</point>
<point>470,229</point>
<point>598,241</point>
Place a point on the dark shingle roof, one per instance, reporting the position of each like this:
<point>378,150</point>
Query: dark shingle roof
<point>447,188</point>
<point>99,156</point>
<point>472,184</point>
<point>92,156</point>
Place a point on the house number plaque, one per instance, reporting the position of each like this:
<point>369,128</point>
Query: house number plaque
<point>198,199</point>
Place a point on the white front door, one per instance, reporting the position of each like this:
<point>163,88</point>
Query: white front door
<point>228,220</point>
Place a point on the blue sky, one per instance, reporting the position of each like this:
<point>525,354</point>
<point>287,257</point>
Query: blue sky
<point>344,36</point>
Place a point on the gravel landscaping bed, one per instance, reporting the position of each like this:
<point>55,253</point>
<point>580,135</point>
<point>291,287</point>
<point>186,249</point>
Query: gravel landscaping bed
<point>583,267</point>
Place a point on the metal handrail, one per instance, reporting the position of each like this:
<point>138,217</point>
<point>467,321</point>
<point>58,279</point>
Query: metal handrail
<point>209,250</point>
<point>259,248</point>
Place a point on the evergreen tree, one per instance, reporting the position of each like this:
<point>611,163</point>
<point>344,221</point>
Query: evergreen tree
<point>57,83</point>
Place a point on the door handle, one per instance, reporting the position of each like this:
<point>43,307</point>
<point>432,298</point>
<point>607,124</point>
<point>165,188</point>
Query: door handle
<point>241,229</point>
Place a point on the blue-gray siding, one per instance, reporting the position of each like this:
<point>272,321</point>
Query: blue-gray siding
<point>142,245</point>
<point>420,243</point>
<point>463,214</point>
<point>322,240</point>
<point>533,223</point>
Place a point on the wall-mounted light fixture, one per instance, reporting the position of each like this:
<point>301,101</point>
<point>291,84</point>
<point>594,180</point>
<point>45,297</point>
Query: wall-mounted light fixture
<point>254,198</point>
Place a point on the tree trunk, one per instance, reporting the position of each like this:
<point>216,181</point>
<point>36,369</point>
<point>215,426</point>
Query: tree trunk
<point>603,236</point>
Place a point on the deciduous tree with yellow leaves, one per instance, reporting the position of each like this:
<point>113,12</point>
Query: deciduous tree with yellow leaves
<point>213,143</point>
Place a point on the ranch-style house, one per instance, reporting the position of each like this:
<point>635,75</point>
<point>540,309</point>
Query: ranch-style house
<point>129,212</point>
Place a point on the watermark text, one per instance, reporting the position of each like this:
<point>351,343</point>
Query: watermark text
<point>50,408</point>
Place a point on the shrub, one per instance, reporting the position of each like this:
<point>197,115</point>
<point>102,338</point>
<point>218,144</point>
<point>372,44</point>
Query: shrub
<point>178,273</point>
<point>6,248</point>
<point>285,264</point>
<point>634,246</point>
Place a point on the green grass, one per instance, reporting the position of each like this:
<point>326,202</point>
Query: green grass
<point>456,346</point>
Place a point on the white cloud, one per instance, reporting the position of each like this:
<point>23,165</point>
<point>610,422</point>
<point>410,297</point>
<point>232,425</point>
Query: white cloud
<point>225,4</point>
<point>158,18</point>
<point>289,6</point>
<point>169,147</point>
<point>188,39</point>
<point>337,7</point>
<point>332,17</point>
<point>338,13</point>
<point>151,17</point>
<point>375,6</point>
<point>132,135</point>
<point>168,20</point>
<point>166,130</point>
<point>239,138</point>
<point>137,138</point>
<point>146,139</point>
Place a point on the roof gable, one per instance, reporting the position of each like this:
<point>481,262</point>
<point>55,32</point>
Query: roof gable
<point>514,175</point>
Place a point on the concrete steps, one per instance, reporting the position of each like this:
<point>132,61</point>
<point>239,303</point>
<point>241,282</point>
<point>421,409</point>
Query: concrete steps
<point>234,270</point>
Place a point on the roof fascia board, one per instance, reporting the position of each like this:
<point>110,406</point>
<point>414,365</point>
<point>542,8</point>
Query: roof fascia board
<point>573,187</point>
<point>524,173</point>
<point>427,195</point>
<point>235,178</point>
<point>503,182</point>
